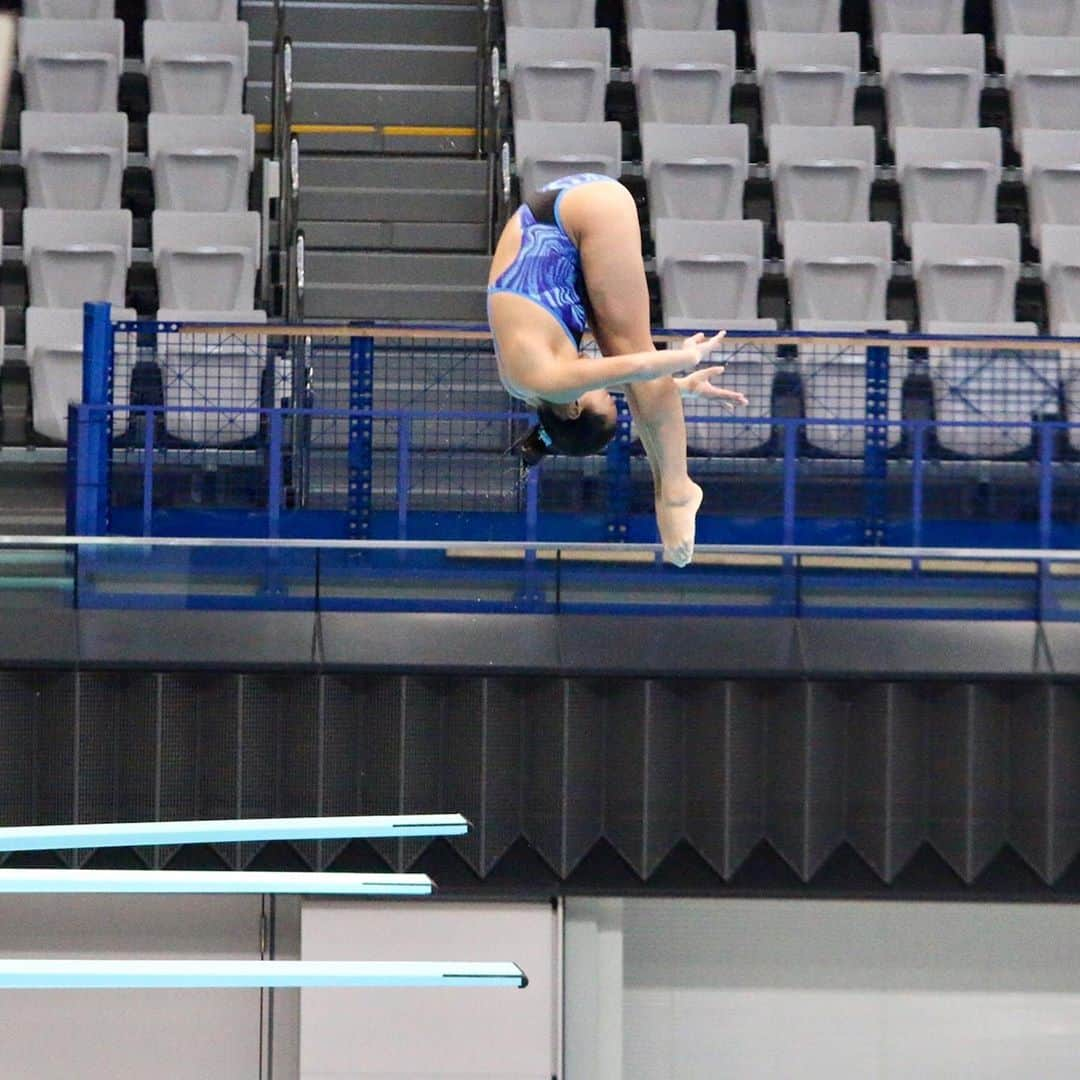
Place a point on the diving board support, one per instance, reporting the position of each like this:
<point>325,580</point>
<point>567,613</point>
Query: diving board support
<point>212,882</point>
<point>229,831</point>
<point>220,974</point>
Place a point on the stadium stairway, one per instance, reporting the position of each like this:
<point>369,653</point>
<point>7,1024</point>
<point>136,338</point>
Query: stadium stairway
<point>393,202</point>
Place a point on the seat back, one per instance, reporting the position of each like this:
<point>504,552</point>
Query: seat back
<point>671,14</point>
<point>73,161</point>
<point>192,10</point>
<point>71,65</point>
<point>1043,74</point>
<point>949,176</point>
<point>807,79</point>
<point>1061,273</point>
<point>932,80</point>
<point>683,76</point>
<point>201,163</point>
<point>709,270</point>
<point>821,173</point>
<point>559,75</point>
<point>966,273</point>
<point>796,16</point>
<point>1036,18</point>
<point>196,67</point>
<point>695,170</point>
<point>68,9</point>
<point>75,256</point>
<point>545,152</point>
<point>1052,177</point>
<point>550,14</point>
<point>838,271</point>
<point>916,17</point>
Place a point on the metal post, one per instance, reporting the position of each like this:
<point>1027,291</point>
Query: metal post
<point>150,416</point>
<point>789,585</point>
<point>875,459</point>
<point>618,474</point>
<point>275,473</point>
<point>1045,436</point>
<point>361,385</point>
<point>403,471</point>
<point>93,425</point>
<point>918,470</point>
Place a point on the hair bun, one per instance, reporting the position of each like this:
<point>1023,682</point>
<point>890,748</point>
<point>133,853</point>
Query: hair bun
<point>532,447</point>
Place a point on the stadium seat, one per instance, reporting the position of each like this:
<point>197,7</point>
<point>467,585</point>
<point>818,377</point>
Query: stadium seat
<point>73,161</point>
<point>1043,75</point>
<point>192,10</point>
<point>550,14</point>
<point>966,278</point>
<point>544,152</point>
<point>671,14</point>
<point>1061,273</point>
<point>695,170</point>
<point>795,16</point>
<point>839,275</point>
<point>807,78</point>
<point>1036,18</point>
<point>683,76</point>
<point>709,273</point>
<point>75,256</point>
<point>196,67</point>
<point>201,163</point>
<point>932,80</point>
<point>558,75</point>
<point>948,176</point>
<point>916,17</point>
<point>206,262</point>
<point>821,173</point>
<point>54,357</point>
<point>213,370</point>
<point>1052,176</point>
<point>68,9</point>
<point>71,65</point>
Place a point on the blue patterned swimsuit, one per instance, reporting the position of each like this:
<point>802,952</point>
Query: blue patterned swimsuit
<point>547,269</point>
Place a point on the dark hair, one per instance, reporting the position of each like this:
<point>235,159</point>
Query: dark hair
<point>589,433</point>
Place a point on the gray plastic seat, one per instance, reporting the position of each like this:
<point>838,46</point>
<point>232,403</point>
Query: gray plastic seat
<point>212,370</point>
<point>949,176</point>
<point>192,10</point>
<point>558,75</point>
<point>671,14</point>
<point>550,14</point>
<point>68,9</point>
<point>683,76</point>
<point>966,277</point>
<point>75,256</point>
<point>821,173</point>
<point>1061,274</point>
<point>206,262</point>
<point>838,274</point>
<point>1036,18</point>
<point>932,80</point>
<point>916,17</point>
<point>1052,176</point>
<point>544,152</point>
<point>73,161</point>
<point>1043,76</point>
<point>807,79</point>
<point>196,67</point>
<point>795,16</point>
<point>709,272</point>
<point>71,65</point>
<point>201,163</point>
<point>695,170</point>
<point>54,357</point>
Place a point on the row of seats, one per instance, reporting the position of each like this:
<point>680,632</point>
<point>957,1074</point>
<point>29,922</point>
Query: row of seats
<point>686,77</point>
<point>1036,18</point>
<point>171,10</point>
<point>73,65</point>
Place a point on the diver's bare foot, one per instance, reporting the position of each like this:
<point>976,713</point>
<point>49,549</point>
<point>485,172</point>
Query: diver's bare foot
<point>677,520</point>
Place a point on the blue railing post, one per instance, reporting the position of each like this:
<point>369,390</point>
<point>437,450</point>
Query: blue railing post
<point>275,474</point>
<point>789,585</point>
<point>404,470</point>
<point>875,455</point>
<point>93,425</point>
<point>361,391</point>
<point>618,475</point>
<point>149,421</point>
<point>1045,434</point>
<point>918,471</point>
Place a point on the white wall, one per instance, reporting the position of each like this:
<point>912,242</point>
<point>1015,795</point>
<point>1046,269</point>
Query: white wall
<point>466,1034</point>
<point>166,1034</point>
<point>878,991</point>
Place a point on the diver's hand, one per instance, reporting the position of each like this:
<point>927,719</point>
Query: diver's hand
<point>699,384</point>
<point>701,347</point>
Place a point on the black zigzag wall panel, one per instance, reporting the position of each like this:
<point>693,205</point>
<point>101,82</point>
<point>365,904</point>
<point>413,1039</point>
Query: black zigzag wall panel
<point>562,768</point>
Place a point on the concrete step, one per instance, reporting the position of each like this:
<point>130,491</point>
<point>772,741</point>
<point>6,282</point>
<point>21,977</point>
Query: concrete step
<point>414,271</point>
<point>394,236</point>
<point>379,204</point>
<point>393,173</point>
<point>446,303</point>
<point>318,62</point>
<point>343,103</point>
<point>428,23</point>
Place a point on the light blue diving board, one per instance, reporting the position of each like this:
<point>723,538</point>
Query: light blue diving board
<point>198,974</point>
<point>244,830</point>
<point>212,881</point>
